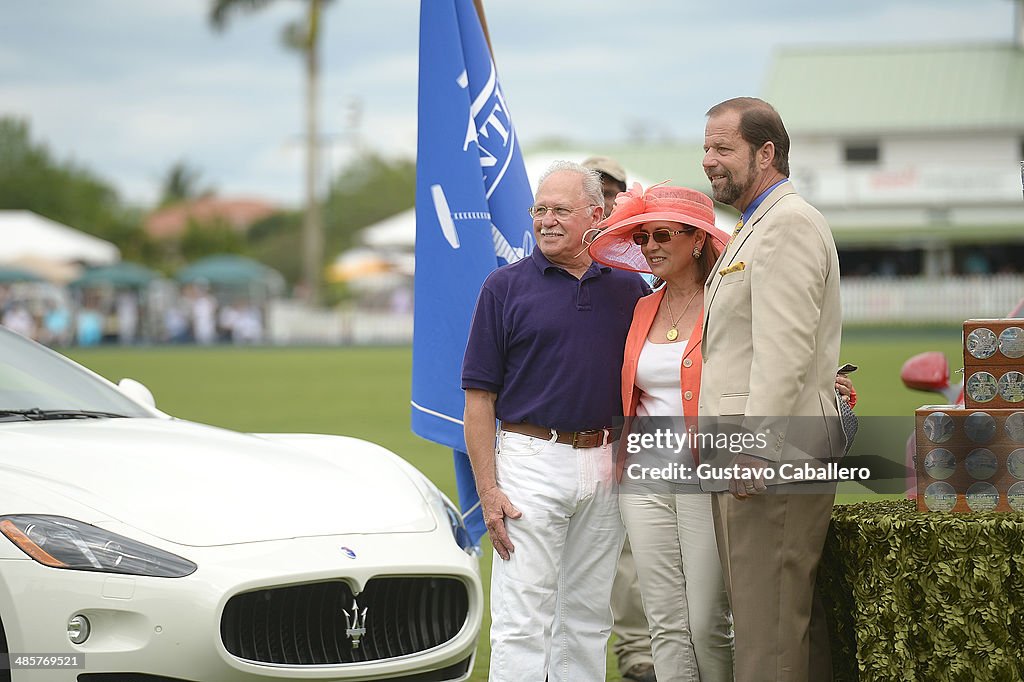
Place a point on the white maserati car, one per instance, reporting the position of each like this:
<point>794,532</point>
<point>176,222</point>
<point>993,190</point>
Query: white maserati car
<point>135,547</point>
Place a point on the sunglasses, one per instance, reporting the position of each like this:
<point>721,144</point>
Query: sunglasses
<point>660,236</point>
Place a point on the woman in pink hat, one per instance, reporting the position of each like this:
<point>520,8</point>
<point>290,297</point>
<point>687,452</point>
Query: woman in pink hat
<point>669,232</point>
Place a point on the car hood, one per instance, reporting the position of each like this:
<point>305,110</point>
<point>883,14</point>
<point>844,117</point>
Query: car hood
<point>199,485</point>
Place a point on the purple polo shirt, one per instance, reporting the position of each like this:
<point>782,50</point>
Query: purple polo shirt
<point>550,345</point>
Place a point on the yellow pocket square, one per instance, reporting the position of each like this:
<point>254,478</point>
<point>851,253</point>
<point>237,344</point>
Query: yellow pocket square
<point>735,267</point>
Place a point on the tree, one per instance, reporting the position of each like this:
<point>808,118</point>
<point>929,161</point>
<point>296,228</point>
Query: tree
<point>305,37</point>
<point>182,183</point>
<point>207,239</point>
<point>32,179</point>
<point>272,242</point>
<point>367,190</point>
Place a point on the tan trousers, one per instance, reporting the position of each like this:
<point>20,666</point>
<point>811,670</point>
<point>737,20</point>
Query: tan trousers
<point>673,539</point>
<point>770,546</point>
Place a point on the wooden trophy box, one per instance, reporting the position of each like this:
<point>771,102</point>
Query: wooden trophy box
<point>994,364</point>
<point>969,460</point>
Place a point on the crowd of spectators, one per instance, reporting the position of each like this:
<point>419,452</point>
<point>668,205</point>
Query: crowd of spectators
<point>192,314</point>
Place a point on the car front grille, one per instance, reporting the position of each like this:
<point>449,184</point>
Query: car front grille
<point>306,624</point>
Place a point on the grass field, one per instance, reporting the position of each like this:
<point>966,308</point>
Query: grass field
<point>364,392</point>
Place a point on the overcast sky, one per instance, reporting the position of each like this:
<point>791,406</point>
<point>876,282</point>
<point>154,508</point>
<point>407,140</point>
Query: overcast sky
<point>127,87</point>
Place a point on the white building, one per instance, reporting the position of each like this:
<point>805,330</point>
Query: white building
<point>913,154</point>
<point>910,148</point>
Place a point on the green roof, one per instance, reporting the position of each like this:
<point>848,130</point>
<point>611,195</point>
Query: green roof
<point>873,90</point>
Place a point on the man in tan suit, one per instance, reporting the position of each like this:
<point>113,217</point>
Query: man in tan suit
<point>771,347</point>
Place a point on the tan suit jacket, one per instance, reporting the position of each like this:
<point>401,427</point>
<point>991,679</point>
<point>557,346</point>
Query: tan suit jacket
<point>772,326</point>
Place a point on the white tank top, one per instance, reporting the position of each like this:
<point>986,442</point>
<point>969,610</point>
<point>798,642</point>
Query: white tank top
<point>661,403</point>
<point>657,377</point>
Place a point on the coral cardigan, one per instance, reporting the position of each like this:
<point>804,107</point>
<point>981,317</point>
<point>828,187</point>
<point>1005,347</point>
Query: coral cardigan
<point>689,368</point>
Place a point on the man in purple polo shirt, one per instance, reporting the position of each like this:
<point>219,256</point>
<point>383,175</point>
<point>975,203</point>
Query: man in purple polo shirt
<point>544,356</point>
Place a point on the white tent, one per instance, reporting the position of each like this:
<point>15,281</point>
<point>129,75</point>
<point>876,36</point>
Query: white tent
<point>399,231</point>
<point>26,236</point>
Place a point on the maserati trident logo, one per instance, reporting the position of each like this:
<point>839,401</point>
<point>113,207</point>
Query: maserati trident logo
<point>355,624</point>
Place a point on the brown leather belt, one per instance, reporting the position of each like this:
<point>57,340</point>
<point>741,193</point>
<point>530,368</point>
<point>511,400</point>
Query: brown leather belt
<point>591,438</point>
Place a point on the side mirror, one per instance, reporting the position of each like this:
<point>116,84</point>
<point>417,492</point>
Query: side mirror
<point>137,391</point>
<point>926,372</point>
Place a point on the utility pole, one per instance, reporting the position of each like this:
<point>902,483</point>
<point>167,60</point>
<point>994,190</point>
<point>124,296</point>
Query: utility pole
<point>312,222</point>
<point>1018,24</point>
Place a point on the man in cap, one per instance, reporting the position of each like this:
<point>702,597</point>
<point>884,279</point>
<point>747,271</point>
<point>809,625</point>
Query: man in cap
<point>545,345</point>
<point>613,179</point>
<point>632,645</point>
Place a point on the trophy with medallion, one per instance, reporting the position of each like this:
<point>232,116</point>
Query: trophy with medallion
<point>970,458</point>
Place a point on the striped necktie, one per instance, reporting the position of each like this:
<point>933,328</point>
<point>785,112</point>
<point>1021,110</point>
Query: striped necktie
<point>739,226</point>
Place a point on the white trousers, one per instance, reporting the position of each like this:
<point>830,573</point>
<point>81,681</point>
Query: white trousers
<point>673,540</point>
<point>550,602</point>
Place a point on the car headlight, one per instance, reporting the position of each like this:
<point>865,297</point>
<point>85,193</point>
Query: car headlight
<point>61,542</point>
<point>443,508</point>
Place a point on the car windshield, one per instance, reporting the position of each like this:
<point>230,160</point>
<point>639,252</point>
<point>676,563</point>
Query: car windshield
<point>34,378</point>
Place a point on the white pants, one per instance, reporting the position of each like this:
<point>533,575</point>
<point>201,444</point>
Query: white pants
<point>550,602</point>
<point>673,540</point>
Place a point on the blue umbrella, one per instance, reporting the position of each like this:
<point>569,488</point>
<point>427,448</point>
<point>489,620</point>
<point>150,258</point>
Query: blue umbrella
<point>9,275</point>
<point>231,271</point>
<point>120,275</point>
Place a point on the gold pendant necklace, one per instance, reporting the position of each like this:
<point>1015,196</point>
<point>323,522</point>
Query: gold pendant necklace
<point>673,333</point>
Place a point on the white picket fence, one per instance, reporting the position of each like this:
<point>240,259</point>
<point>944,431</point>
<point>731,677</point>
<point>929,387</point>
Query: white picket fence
<point>917,300</point>
<point>293,323</point>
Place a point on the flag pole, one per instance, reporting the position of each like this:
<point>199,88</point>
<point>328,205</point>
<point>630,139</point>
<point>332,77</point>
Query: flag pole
<point>471,192</point>
<point>479,5</point>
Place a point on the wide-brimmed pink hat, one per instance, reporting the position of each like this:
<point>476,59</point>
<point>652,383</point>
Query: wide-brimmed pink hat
<point>614,244</point>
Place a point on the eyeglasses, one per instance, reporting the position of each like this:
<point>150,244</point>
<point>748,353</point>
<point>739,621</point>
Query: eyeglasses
<point>560,212</point>
<point>660,236</point>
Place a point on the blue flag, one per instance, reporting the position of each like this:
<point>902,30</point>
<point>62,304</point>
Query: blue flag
<point>471,199</point>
